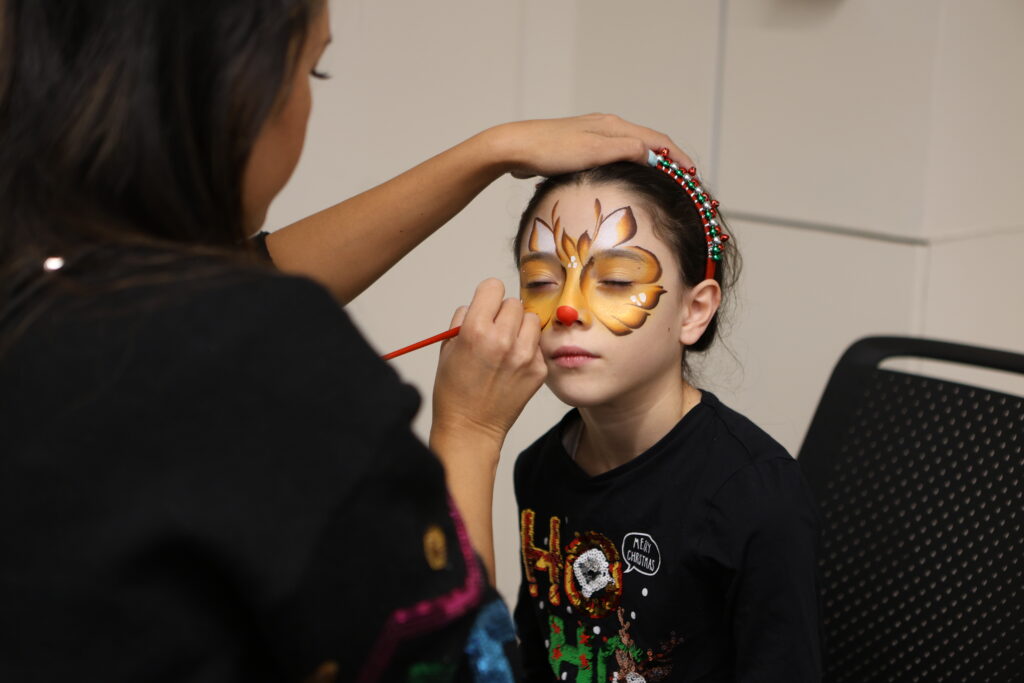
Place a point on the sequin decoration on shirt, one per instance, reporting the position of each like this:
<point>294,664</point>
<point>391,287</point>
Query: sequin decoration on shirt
<point>491,633</point>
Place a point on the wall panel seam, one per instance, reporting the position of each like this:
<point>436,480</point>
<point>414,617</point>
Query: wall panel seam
<point>823,228</point>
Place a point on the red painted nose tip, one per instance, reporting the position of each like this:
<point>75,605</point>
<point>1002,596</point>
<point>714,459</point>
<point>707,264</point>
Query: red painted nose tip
<point>567,315</point>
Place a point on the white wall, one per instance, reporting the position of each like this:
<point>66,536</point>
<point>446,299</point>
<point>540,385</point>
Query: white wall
<point>868,153</point>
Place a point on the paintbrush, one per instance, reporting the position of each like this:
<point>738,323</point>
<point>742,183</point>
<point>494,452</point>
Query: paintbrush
<point>426,342</point>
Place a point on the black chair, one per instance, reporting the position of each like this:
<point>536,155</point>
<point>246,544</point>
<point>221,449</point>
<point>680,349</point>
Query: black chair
<point>921,487</point>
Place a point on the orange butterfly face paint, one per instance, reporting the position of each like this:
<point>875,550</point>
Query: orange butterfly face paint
<point>597,277</point>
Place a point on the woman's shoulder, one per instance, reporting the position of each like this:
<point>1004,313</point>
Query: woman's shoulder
<point>197,301</point>
<point>276,328</point>
<point>244,301</point>
<point>200,326</point>
<point>208,287</point>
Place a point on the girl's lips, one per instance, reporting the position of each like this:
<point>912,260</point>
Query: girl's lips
<point>572,356</point>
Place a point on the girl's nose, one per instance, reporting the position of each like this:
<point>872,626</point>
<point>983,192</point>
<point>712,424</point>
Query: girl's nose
<point>567,315</point>
<point>571,308</point>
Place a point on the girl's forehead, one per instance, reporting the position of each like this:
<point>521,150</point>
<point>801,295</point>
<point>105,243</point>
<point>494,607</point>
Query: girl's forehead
<point>579,208</point>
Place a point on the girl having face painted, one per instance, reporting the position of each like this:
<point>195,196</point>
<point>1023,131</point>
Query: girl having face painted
<point>664,536</point>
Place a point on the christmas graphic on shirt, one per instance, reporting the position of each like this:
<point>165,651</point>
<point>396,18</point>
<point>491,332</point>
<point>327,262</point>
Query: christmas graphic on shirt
<point>672,566</point>
<point>590,589</point>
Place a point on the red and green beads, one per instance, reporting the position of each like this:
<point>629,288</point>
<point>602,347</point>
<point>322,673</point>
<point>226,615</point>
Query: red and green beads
<point>707,207</point>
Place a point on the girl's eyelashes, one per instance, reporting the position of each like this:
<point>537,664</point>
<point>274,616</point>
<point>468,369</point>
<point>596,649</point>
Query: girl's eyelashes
<point>538,284</point>
<point>322,75</point>
<point>617,283</point>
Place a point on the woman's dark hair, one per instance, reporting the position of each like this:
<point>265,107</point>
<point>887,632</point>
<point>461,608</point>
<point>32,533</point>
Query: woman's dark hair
<point>676,223</point>
<point>125,121</point>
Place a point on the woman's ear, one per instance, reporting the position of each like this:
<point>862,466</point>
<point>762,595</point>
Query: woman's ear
<point>701,305</point>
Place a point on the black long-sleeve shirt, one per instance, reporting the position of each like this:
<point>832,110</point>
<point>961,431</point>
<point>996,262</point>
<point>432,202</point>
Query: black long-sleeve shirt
<point>206,474</point>
<point>695,561</point>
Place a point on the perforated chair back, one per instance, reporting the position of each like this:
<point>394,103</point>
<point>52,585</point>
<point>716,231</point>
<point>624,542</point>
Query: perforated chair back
<point>921,486</point>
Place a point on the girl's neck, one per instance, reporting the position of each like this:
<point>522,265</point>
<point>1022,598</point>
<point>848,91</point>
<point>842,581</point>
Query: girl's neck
<point>615,433</point>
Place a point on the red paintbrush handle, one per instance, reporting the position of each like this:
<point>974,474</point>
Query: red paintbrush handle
<point>426,342</point>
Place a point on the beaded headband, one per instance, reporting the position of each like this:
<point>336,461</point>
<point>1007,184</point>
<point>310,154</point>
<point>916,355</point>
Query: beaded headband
<point>706,206</point>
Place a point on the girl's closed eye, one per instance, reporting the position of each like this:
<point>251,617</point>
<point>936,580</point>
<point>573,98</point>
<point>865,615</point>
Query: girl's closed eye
<point>541,276</point>
<point>616,276</point>
<point>322,75</point>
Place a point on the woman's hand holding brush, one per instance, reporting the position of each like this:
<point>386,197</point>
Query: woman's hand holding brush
<point>484,378</point>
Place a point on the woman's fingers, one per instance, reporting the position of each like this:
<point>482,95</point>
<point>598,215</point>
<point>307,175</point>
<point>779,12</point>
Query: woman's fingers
<point>613,126</point>
<point>485,305</point>
<point>487,374</point>
<point>459,317</point>
<point>529,332</point>
<point>552,146</point>
<point>504,322</point>
<point>509,320</point>
<point>527,347</point>
<point>607,149</point>
<point>490,320</point>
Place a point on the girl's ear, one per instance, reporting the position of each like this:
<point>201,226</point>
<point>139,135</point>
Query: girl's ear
<point>701,305</point>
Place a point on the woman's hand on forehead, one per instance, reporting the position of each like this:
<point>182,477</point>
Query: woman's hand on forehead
<point>548,147</point>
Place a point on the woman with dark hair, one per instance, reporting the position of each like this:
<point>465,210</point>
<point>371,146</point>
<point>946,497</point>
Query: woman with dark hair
<point>154,525</point>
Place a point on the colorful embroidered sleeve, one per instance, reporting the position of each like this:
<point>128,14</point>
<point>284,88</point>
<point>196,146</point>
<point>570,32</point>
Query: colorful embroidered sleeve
<point>218,482</point>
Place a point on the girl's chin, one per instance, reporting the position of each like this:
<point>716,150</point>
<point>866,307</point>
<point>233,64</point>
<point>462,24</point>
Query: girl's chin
<point>579,395</point>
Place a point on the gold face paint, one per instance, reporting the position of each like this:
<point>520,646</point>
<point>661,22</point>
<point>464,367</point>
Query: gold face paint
<point>596,276</point>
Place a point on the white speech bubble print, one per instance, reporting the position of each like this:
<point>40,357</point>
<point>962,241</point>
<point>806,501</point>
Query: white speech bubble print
<point>641,553</point>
